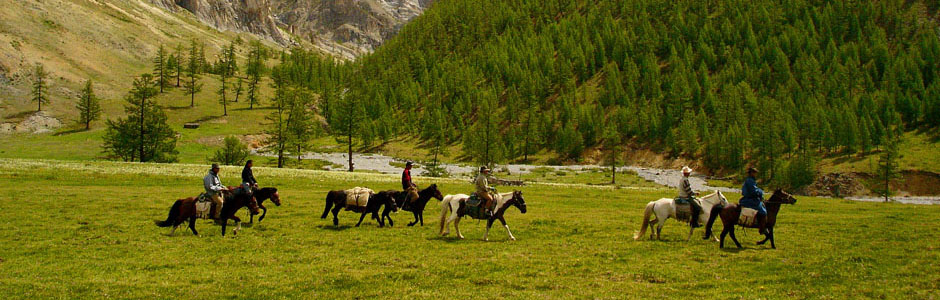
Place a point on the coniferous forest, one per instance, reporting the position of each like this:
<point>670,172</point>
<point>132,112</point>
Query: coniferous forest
<point>774,84</point>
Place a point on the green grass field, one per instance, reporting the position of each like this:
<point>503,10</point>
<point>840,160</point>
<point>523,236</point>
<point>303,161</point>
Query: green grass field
<point>86,230</point>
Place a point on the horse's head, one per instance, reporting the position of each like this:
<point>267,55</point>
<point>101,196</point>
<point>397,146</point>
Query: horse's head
<point>275,197</point>
<point>780,196</point>
<point>435,193</point>
<point>387,198</point>
<point>518,201</point>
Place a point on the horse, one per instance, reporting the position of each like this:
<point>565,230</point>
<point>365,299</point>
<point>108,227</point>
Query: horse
<point>457,207</point>
<point>730,213</point>
<point>260,196</point>
<point>337,201</point>
<point>417,206</point>
<point>666,208</point>
<point>185,208</point>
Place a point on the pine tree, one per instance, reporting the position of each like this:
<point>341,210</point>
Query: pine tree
<point>238,88</point>
<point>254,70</point>
<point>279,117</point>
<point>160,68</point>
<point>191,85</point>
<point>888,161</point>
<point>179,63</point>
<point>144,135</point>
<point>347,120</point>
<point>39,86</point>
<point>300,125</point>
<point>88,107</point>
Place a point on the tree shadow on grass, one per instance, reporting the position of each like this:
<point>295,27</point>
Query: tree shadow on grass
<point>70,131</point>
<point>449,238</point>
<point>205,119</point>
<point>177,107</point>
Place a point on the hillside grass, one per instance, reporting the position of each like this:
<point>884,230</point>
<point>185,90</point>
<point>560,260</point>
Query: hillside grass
<point>86,230</point>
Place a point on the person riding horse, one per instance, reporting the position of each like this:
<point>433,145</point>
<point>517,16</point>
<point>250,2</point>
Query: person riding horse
<point>753,197</point>
<point>248,177</point>
<point>484,190</point>
<point>408,186</point>
<point>214,189</point>
<point>686,194</point>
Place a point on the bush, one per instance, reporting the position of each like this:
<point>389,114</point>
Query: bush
<point>799,172</point>
<point>234,153</point>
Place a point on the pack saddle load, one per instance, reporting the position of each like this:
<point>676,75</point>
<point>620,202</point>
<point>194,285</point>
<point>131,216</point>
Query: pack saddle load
<point>683,209</point>
<point>203,206</point>
<point>357,198</point>
<point>748,217</point>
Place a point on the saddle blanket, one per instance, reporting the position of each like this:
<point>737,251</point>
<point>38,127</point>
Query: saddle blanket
<point>683,211</point>
<point>358,196</point>
<point>748,217</point>
<point>474,200</point>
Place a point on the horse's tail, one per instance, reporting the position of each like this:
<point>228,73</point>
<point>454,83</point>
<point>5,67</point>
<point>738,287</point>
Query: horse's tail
<point>716,210</point>
<point>329,204</point>
<point>174,213</point>
<point>445,209</point>
<point>646,220</point>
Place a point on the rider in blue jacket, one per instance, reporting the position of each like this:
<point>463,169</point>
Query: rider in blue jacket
<point>752,197</point>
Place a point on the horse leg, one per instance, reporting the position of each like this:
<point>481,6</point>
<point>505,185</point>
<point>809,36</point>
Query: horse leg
<point>238,225</point>
<point>224,223</point>
<point>502,220</point>
<point>363,216</point>
<point>770,232</point>
<point>421,217</point>
<point>689,238</point>
<point>264,212</point>
<point>721,241</point>
<point>734,238</point>
<point>453,218</point>
<point>192,225</point>
<point>659,228</point>
<point>416,219</point>
<point>489,223</point>
<point>457,229</point>
<point>335,218</point>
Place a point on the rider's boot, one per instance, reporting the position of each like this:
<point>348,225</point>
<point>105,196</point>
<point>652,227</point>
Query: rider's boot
<point>693,220</point>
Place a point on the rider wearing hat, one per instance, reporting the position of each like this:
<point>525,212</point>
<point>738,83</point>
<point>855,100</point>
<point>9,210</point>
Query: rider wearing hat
<point>214,189</point>
<point>408,185</point>
<point>686,193</point>
<point>752,197</point>
<point>484,189</point>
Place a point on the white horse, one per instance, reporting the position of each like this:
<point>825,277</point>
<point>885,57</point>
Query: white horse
<point>666,208</point>
<point>455,205</point>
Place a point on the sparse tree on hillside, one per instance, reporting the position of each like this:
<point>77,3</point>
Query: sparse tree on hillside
<point>346,120</point>
<point>39,86</point>
<point>179,63</point>
<point>172,65</point>
<point>238,88</point>
<point>160,71</point>
<point>254,70</point>
<point>88,107</point>
<point>144,134</point>
<point>192,74</point>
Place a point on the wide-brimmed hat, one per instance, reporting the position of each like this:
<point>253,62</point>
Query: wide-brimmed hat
<point>752,170</point>
<point>409,163</point>
<point>686,169</point>
<point>484,168</point>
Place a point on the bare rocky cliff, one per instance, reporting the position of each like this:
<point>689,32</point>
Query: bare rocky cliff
<point>345,28</point>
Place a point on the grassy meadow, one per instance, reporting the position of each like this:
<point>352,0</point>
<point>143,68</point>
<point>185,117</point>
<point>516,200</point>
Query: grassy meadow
<point>86,230</point>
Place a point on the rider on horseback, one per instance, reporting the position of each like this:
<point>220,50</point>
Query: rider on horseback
<point>484,190</point>
<point>408,186</point>
<point>214,189</point>
<point>752,197</point>
<point>686,194</point>
<point>248,177</point>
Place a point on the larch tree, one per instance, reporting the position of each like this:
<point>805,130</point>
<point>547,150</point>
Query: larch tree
<point>89,108</point>
<point>39,86</point>
<point>160,71</point>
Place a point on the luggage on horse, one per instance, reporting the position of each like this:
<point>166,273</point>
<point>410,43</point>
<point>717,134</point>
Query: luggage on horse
<point>357,198</point>
<point>203,206</point>
<point>683,208</point>
<point>475,208</point>
<point>748,217</point>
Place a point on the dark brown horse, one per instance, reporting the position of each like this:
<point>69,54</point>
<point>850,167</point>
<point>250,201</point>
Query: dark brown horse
<point>184,209</point>
<point>729,218</point>
<point>260,196</point>
<point>337,201</point>
<point>417,206</point>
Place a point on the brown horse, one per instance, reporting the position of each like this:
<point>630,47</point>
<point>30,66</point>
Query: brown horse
<point>337,201</point>
<point>730,214</point>
<point>185,208</point>
<point>260,196</point>
<point>417,206</point>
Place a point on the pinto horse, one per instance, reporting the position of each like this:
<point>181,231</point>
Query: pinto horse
<point>337,201</point>
<point>729,217</point>
<point>665,208</point>
<point>457,206</point>
<point>260,196</point>
<point>185,208</point>
<point>417,206</point>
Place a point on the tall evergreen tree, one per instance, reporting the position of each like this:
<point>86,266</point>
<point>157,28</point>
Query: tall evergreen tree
<point>160,71</point>
<point>144,135</point>
<point>88,107</point>
<point>39,86</point>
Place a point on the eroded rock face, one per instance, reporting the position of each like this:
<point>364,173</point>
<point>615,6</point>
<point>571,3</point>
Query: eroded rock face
<point>346,28</point>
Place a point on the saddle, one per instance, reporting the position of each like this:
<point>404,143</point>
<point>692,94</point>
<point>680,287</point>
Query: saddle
<point>748,217</point>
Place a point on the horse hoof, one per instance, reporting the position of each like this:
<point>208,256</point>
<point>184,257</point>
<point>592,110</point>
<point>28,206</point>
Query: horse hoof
<point>512,238</point>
